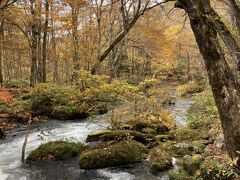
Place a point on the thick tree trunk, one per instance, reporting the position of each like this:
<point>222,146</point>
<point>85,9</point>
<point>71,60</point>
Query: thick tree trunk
<point>226,36</point>
<point>219,73</point>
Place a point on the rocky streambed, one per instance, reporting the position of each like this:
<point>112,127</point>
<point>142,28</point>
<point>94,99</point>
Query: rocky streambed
<point>10,153</point>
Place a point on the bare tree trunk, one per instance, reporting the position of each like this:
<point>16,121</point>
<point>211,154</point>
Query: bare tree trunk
<point>75,12</point>
<point>39,39</point>
<point>34,39</point>
<point>188,66</point>
<point>219,73</point>
<point>44,48</point>
<point>115,42</point>
<point>1,53</point>
<point>26,139</point>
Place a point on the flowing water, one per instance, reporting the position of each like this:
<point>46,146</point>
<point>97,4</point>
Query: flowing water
<point>10,153</point>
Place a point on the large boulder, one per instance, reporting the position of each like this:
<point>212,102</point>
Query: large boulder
<point>119,135</point>
<point>56,150</point>
<point>118,153</point>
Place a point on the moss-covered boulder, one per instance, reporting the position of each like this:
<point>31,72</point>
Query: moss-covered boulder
<point>179,174</point>
<point>191,164</point>
<point>159,160</point>
<point>119,135</point>
<point>56,150</point>
<point>119,153</point>
<point>164,137</point>
<point>150,122</point>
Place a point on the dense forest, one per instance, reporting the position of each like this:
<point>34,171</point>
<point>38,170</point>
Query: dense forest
<point>119,89</point>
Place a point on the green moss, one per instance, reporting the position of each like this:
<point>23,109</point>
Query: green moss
<point>191,164</point>
<point>164,137</point>
<point>180,174</point>
<point>189,88</point>
<point>57,150</point>
<point>159,160</point>
<point>185,133</point>
<point>120,153</point>
<point>119,135</point>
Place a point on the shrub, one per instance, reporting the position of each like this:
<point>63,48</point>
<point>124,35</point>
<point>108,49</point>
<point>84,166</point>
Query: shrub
<point>49,100</point>
<point>149,83</point>
<point>116,91</point>
<point>85,80</point>
<point>189,88</point>
<point>211,169</point>
<point>149,122</point>
<point>16,83</point>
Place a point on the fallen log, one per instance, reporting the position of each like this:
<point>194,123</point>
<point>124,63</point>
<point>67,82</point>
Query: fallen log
<point>119,135</point>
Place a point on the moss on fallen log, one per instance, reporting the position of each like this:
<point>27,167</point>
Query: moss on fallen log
<point>119,135</point>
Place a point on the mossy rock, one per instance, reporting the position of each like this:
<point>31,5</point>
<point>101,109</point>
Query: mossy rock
<point>56,150</point>
<point>153,126</point>
<point>119,135</point>
<point>176,149</point>
<point>199,146</point>
<point>159,160</point>
<point>191,164</point>
<point>185,133</point>
<point>164,137</point>
<point>179,174</point>
<point>120,153</point>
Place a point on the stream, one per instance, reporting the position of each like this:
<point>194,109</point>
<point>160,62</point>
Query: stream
<point>11,167</point>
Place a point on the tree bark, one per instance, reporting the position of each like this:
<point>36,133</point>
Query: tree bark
<point>34,38</point>
<point>219,73</point>
<point>76,56</point>
<point>235,10</point>
<point>1,53</point>
<point>44,48</point>
<point>39,40</point>
<point>115,42</point>
<point>225,35</point>
<point>26,139</point>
